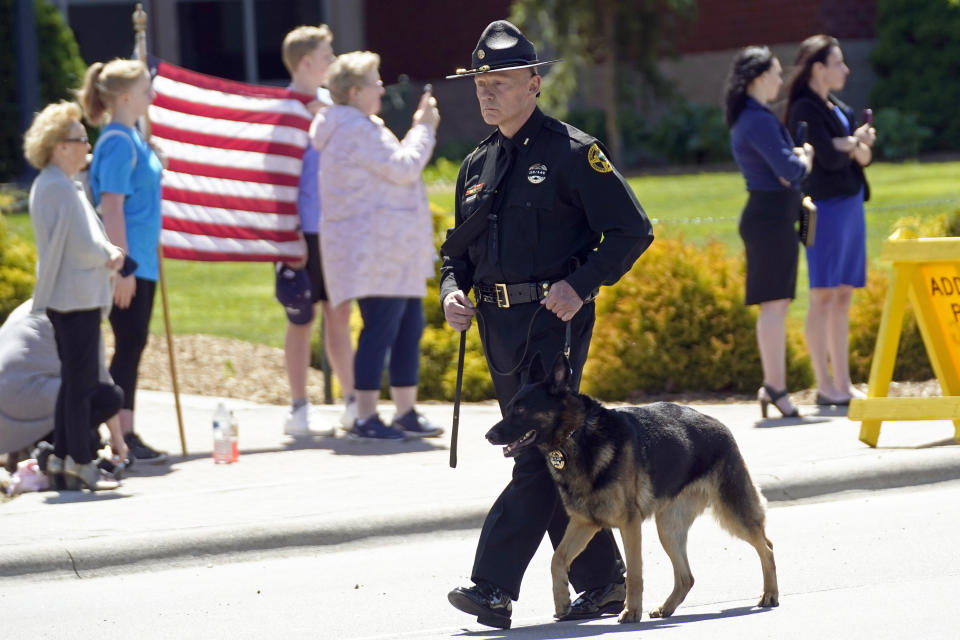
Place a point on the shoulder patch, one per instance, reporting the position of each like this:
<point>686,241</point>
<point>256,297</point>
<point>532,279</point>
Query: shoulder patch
<point>597,160</point>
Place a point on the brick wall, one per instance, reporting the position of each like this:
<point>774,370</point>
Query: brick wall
<point>427,39</point>
<point>730,24</point>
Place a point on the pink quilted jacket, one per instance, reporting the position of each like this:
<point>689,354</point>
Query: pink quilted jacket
<point>376,233</point>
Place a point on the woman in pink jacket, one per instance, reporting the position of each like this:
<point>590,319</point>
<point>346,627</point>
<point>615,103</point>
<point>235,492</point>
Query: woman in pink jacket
<point>376,236</point>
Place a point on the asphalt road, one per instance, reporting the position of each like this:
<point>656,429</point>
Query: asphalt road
<point>859,566</point>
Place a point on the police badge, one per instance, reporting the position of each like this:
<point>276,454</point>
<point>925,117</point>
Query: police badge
<point>557,459</point>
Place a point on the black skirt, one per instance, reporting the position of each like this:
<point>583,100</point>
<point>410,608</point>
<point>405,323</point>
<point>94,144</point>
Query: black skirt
<point>767,226</point>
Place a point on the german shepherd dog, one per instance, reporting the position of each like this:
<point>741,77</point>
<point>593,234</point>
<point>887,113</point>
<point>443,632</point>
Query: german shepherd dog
<point>618,467</point>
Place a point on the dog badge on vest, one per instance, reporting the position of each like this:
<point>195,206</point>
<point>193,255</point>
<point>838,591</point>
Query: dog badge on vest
<point>537,173</point>
<point>557,459</point>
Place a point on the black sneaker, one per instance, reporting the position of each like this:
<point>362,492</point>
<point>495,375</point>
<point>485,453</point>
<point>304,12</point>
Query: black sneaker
<point>140,451</point>
<point>373,429</point>
<point>414,425</point>
<point>487,601</point>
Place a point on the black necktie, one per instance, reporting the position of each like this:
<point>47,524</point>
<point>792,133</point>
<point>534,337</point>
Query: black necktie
<point>505,157</point>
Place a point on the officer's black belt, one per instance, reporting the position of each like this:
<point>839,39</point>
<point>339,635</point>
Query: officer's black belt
<point>508,295</point>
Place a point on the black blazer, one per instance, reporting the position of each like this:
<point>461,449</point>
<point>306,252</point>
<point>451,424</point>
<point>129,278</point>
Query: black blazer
<point>835,173</point>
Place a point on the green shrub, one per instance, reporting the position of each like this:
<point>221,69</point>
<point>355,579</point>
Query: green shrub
<point>440,344</point>
<point>912,362</point>
<point>18,262</point>
<point>677,322</point>
<point>915,56</point>
<point>899,135</point>
<point>60,68</point>
<point>952,227</point>
<point>691,132</point>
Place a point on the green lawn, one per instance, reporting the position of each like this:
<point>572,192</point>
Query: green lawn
<point>236,299</point>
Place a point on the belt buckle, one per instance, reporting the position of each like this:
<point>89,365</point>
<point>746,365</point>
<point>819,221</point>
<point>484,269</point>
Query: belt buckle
<point>503,299</point>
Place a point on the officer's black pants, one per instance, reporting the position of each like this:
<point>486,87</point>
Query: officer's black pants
<point>530,504</point>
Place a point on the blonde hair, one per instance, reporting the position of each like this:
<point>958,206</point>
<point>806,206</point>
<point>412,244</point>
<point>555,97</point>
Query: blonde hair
<point>104,82</point>
<point>302,41</point>
<point>49,126</point>
<point>350,70</point>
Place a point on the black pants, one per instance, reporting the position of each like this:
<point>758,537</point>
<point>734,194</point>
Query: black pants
<point>131,328</point>
<point>77,334</point>
<point>530,505</point>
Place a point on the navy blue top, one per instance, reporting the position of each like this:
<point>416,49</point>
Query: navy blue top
<point>763,149</point>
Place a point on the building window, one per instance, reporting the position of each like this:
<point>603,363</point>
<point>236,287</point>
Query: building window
<point>273,21</point>
<point>103,30</point>
<point>211,37</point>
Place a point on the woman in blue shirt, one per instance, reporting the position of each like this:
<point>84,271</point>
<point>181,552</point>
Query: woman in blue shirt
<point>125,181</point>
<point>837,262</point>
<point>772,168</point>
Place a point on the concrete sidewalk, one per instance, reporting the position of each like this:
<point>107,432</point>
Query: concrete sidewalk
<point>286,493</point>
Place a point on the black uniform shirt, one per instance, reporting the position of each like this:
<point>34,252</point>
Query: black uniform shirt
<point>558,198</point>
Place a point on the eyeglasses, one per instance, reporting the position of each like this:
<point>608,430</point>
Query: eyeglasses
<point>82,140</point>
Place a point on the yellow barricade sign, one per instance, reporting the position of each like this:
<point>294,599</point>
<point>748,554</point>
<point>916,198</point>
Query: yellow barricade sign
<point>927,272</point>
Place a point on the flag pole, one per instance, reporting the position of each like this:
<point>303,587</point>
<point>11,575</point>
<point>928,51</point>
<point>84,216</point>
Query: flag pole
<point>140,29</point>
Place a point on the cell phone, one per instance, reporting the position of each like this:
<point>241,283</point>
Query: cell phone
<point>868,116</point>
<point>129,266</point>
<point>428,88</point>
<point>801,136</point>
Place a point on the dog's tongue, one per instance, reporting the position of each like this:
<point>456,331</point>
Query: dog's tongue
<point>510,448</point>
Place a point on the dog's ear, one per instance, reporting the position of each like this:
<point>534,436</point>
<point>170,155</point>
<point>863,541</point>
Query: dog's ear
<point>560,376</point>
<point>535,372</point>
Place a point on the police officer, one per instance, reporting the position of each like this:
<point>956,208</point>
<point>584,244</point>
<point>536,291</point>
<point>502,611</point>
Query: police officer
<point>542,221</point>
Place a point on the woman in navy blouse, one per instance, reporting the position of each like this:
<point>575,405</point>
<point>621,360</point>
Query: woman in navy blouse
<point>837,262</point>
<point>773,169</point>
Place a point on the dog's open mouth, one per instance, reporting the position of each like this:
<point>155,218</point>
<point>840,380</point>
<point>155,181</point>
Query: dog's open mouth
<point>515,447</point>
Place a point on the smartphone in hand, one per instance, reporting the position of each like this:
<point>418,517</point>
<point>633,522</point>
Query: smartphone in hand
<point>801,136</point>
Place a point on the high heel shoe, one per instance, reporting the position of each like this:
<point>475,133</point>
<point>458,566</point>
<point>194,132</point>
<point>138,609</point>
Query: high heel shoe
<point>767,395</point>
<point>827,401</point>
<point>86,476</point>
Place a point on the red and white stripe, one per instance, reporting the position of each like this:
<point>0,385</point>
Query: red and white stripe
<point>235,152</point>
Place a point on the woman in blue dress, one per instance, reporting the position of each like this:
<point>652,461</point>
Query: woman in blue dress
<point>837,261</point>
<point>772,168</point>
<point>125,181</point>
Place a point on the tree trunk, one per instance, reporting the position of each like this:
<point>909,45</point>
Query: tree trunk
<point>608,79</point>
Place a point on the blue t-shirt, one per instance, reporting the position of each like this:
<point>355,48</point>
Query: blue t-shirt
<point>763,149</point>
<point>113,170</point>
<point>308,196</point>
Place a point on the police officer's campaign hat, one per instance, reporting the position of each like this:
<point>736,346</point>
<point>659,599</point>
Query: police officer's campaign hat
<point>501,48</point>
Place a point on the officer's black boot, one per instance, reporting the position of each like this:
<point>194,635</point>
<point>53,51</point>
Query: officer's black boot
<point>487,601</point>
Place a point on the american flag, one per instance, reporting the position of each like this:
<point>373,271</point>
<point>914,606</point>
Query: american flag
<point>234,152</point>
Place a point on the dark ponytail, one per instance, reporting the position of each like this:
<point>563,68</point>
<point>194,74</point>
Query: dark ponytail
<point>749,64</point>
<point>812,50</point>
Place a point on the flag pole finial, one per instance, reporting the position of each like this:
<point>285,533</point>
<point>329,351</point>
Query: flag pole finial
<point>140,30</point>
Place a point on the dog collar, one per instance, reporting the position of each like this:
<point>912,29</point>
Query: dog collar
<point>557,459</point>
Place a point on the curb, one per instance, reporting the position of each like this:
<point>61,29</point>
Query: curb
<point>104,555</point>
<point>101,555</point>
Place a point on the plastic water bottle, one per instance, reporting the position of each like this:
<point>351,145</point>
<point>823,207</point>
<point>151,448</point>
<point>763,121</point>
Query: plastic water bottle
<point>221,435</point>
<point>234,435</point>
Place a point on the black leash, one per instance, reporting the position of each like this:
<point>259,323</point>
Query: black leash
<point>456,401</point>
<point>455,429</point>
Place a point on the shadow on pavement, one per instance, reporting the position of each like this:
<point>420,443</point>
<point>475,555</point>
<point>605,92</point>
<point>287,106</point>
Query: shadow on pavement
<point>788,422</point>
<point>70,497</point>
<point>581,628</point>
